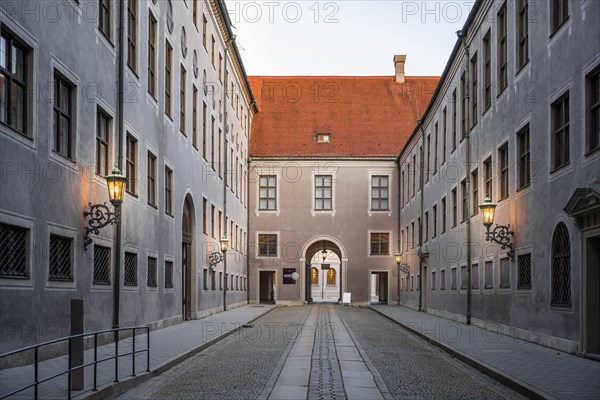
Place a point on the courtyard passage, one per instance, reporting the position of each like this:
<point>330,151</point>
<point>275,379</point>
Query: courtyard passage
<point>321,352</point>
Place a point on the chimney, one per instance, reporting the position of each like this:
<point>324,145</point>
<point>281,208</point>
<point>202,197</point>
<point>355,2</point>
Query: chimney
<point>399,61</point>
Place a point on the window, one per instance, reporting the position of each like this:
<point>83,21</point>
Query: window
<point>432,280</point>
<point>323,137</point>
<point>63,107</point>
<point>168,191</point>
<point>523,161</point>
<point>132,23</point>
<point>151,280</point>
<point>402,190</point>
<point>463,108</point>
<point>414,175</point>
<point>454,208</point>
<point>267,192</point>
<point>220,219</point>
<point>195,12</point>
<point>487,71</point>
<point>487,170</point>
<point>475,191</point>
<point>463,277</point>
<point>213,280</point>
<point>212,142</point>
<point>212,221</point>
<point>101,273</point>
<point>454,105</point>
<point>13,251</point>
<point>103,122</point>
<point>104,17</point>
<point>130,278</point>
<point>151,179</point>
<point>220,68</point>
<point>561,267</point>
<point>593,110</point>
<point>195,116</point>
<point>502,51</point>
<point>435,149</point>
<point>169,275</point>
<point>503,167</point>
<point>464,196</point>
<point>314,276</point>
<point>267,245</point>
<point>13,78</point>
<point>453,279</point>
<point>204,218</point>
<point>204,25</point>
<point>524,272</point>
<point>212,55</point>
<point>323,192</point>
<point>219,154</point>
<point>504,273</point>
<point>559,13</point>
<point>168,77</point>
<point>426,226</point>
<point>60,259</point>
<point>131,164</point>
<point>204,135</point>
<point>444,133</point>
<point>474,90</point>
<point>205,279</point>
<point>489,275</point>
<point>380,243</point>
<point>331,275</point>
<point>443,215</point>
<point>443,279</point>
<point>379,193</point>
<point>152,55</point>
<point>412,233</point>
<point>560,132</point>
<point>475,276</point>
<point>522,33</point>
<point>182,77</point>
<point>428,158</point>
<point>434,221</point>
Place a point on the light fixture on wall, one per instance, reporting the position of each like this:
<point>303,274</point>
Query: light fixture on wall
<point>323,252</point>
<point>401,267</point>
<point>501,234</point>
<point>216,257</point>
<point>100,215</point>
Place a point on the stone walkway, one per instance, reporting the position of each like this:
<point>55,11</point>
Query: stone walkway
<point>168,347</point>
<point>531,369</point>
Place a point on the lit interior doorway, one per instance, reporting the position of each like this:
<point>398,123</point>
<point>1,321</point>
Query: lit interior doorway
<point>379,287</point>
<point>267,287</point>
<point>324,277</point>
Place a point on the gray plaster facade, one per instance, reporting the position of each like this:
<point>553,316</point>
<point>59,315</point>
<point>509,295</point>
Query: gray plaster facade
<point>507,295</point>
<point>44,193</point>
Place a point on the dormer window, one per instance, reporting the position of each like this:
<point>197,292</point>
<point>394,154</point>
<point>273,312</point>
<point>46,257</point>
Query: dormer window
<point>323,137</point>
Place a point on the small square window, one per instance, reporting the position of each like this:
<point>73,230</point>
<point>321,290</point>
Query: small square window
<point>323,137</point>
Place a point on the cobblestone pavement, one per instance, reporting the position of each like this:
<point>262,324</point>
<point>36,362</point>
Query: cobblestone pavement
<point>238,367</point>
<point>412,368</point>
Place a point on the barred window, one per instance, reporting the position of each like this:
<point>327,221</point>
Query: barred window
<point>380,243</point>
<point>60,259</point>
<point>101,265</point>
<point>151,280</point>
<point>504,273</point>
<point>267,245</point>
<point>524,264</point>
<point>13,251</point>
<point>169,274</point>
<point>379,193</point>
<point>13,86</point>
<point>130,269</point>
<point>323,192</point>
<point>268,192</point>
<point>561,267</point>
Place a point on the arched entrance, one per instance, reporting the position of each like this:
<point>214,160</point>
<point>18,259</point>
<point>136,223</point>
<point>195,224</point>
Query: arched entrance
<point>187,256</point>
<point>335,258</point>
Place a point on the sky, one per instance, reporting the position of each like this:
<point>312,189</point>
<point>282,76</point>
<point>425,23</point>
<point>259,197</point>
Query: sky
<point>346,37</point>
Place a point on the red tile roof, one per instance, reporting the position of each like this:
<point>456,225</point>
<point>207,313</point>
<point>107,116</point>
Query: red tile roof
<point>368,116</point>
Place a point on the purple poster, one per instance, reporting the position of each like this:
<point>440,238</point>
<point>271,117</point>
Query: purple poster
<point>290,276</point>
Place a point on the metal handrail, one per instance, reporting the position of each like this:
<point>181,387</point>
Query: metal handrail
<point>95,363</point>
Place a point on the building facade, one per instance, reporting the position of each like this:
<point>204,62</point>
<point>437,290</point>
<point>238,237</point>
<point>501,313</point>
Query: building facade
<point>323,178</point>
<point>528,109</point>
<point>182,142</point>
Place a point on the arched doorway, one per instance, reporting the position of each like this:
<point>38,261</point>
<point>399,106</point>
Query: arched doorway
<point>187,255</point>
<point>315,274</point>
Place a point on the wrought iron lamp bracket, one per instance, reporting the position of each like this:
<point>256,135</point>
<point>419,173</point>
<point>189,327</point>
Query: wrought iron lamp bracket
<point>404,268</point>
<point>501,234</point>
<point>100,216</point>
<point>215,258</point>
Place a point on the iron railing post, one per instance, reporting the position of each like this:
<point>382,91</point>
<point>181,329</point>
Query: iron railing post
<point>95,362</point>
<point>117,355</point>
<point>133,355</point>
<point>147,349</point>
<point>69,373</point>
<point>35,373</point>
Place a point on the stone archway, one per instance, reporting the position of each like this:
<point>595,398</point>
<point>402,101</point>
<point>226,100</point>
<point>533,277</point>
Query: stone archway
<point>316,245</point>
<point>188,252</point>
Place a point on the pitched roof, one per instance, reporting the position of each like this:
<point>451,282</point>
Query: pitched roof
<point>366,116</point>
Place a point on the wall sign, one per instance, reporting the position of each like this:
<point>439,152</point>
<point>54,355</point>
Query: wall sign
<point>288,276</point>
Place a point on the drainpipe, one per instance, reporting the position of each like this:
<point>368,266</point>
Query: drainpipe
<point>120,117</point>
<point>226,150</point>
<point>422,196</point>
<point>463,37</point>
<point>399,243</point>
